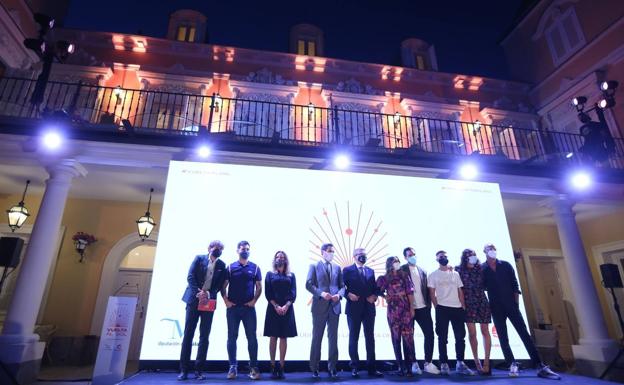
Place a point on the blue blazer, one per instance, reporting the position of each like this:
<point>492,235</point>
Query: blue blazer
<point>197,276</point>
<point>360,287</point>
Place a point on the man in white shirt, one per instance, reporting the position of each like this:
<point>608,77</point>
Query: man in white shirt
<point>445,289</point>
<point>422,304</point>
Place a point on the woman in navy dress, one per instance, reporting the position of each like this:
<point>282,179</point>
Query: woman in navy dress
<point>281,291</point>
<point>477,307</point>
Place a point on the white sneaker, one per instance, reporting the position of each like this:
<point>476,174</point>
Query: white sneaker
<point>462,368</point>
<point>416,369</point>
<point>444,369</point>
<point>430,368</point>
<point>513,370</point>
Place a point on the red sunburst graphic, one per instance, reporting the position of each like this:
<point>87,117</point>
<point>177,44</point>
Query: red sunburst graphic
<point>336,228</point>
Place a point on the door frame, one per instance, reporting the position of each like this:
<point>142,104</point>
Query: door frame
<point>110,269</point>
<point>598,253</point>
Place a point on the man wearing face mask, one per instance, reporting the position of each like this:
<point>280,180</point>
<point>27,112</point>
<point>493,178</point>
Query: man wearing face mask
<point>504,296</point>
<point>205,279</point>
<point>445,289</point>
<point>325,283</point>
<point>422,304</point>
<point>361,293</point>
<point>245,287</point>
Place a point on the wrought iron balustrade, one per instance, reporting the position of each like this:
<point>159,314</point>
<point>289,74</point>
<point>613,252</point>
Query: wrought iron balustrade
<point>162,112</point>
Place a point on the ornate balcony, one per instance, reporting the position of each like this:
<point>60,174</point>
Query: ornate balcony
<point>159,113</point>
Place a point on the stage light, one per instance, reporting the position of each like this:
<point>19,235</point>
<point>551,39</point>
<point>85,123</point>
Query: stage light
<point>18,213</point>
<point>52,139</point>
<point>203,151</point>
<point>569,155</point>
<point>581,180</point>
<point>65,48</point>
<point>342,161</point>
<point>609,85</point>
<point>146,224</point>
<point>36,45</point>
<point>468,171</point>
<point>607,102</point>
<point>44,21</point>
<point>579,102</point>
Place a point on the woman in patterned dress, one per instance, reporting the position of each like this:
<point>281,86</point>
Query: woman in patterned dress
<point>397,288</point>
<point>477,307</point>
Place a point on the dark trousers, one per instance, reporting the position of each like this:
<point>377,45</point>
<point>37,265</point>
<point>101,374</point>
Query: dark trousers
<point>423,317</point>
<point>190,324</point>
<point>500,314</point>
<point>247,315</point>
<point>355,322</point>
<point>456,316</point>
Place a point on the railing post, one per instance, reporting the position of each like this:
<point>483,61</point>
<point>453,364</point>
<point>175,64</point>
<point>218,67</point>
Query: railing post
<point>74,102</point>
<point>210,115</point>
<point>334,110</point>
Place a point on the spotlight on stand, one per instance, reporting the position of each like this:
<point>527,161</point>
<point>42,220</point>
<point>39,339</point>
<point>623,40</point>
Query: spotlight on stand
<point>609,86</point>
<point>36,45</point>
<point>45,22</point>
<point>52,139</point>
<point>579,102</point>
<point>203,151</point>
<point>607,102</point>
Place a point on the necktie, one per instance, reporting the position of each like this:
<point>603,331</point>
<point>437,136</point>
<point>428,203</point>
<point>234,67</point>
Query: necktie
<point>328,268</point>
<point>362,272</point>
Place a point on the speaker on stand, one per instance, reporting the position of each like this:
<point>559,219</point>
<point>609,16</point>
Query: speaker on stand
<point>611,279</point>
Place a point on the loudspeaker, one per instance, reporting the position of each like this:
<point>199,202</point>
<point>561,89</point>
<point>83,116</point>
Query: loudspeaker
<point>610,275</point>
<point>10,250</point>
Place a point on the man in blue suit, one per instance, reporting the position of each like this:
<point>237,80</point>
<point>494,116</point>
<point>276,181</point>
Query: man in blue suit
<point>361,292</point>
<point>205,279</point>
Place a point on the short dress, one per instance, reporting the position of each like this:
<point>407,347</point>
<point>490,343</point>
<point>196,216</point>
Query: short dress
<point>280,288</point>
<point>477,305</point>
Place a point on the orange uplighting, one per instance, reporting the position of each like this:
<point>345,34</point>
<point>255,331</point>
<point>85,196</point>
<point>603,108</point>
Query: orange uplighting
<point>475,84</point>
<point>393,73</point>
<point>472,83</point>
<point>223,53</point>
<point>307,63</point>
<point>129,43</point>
<point>140,44</point>
<point>458,81</point>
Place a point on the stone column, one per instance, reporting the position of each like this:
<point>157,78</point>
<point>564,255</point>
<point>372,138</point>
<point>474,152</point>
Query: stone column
<point>20,349</point>
<point>594,344</point>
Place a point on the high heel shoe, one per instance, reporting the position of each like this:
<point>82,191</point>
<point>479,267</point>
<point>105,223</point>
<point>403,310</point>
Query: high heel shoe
<point>487,372</point>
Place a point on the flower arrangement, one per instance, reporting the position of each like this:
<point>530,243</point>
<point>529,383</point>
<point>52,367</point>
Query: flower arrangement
<point>81,241</point>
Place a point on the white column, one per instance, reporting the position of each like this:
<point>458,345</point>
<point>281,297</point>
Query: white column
<point>594,344</point>
<point>19,346</point>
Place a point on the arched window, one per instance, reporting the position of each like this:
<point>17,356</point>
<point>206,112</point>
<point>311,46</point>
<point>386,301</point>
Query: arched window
<point>141,257</point>
<point>562,31</point>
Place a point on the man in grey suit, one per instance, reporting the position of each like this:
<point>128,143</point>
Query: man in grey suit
<point>327,287</point>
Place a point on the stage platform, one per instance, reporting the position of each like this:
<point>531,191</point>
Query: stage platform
<point>527,377</point>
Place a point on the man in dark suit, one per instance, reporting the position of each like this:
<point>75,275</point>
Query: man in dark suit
<point>361,292</point>
<point>205,279</point>
<point>327,287</point>
<point>422,305</point>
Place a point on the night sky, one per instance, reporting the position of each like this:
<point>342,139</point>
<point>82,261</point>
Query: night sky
<point>465,33</point>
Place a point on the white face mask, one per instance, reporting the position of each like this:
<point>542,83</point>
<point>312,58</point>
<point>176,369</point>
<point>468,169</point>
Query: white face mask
<point>328,256</point>
<point>472,260</point>
<point>396,266</point>
<point>491,254</point>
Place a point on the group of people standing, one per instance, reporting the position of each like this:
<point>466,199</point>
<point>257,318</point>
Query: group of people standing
<point>457,295</point>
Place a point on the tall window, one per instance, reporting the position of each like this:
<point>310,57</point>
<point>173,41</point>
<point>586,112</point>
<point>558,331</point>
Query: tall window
<point>306,47</point>
<point>420,61</point>
<point>186,33</point>
<point>564,36</point>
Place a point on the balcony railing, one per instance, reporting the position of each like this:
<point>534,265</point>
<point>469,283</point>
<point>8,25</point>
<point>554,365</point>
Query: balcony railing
<point>161,112</point>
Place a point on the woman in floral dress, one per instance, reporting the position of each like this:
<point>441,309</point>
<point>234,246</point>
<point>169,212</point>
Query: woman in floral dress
<point>396,286</point>
<point>477,307</point>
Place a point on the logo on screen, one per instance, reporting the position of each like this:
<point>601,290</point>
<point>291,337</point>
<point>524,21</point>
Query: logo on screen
<point>348,228</point>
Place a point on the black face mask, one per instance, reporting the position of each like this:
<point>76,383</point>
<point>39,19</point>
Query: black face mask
<point>216,253</point>
<point>280,263</point>
<point>443,261</point>
<point>244,254</point>
<point>362,258</point>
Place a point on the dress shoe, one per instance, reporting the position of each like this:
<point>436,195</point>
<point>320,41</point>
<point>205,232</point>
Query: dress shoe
<point>333,373</point>
<point>183,376</point>
<point>354,373</point>
<point>315,374</point>
<point>199,375</point>
<point>375,373</point>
